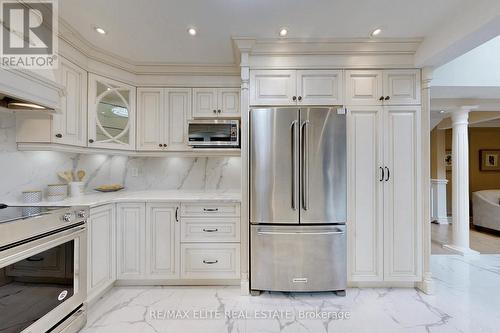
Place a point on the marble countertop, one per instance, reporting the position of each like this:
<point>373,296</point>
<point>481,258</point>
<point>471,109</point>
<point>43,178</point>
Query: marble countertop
<point>97,199</point>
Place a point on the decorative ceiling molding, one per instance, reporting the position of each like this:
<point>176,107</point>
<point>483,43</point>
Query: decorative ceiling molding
<point>77,41</point>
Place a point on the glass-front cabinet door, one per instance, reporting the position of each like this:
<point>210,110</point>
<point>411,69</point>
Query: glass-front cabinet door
<point>111,113</point>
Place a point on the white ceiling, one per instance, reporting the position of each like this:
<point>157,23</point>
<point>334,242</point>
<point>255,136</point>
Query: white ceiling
<point>155,30</point>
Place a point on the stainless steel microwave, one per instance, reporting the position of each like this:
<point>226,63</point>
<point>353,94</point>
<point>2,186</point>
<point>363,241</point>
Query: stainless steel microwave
<point>214,133</point>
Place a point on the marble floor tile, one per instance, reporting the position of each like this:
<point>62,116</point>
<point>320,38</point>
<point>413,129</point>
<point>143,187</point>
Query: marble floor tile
<point>467,300</point>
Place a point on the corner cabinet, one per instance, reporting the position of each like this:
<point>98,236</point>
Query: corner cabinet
<point>385,227</point>
<point>101,242</point>
<point>162,117</point>
<point>296,87</point>
<point>216,103</point>
<point>111,114</point>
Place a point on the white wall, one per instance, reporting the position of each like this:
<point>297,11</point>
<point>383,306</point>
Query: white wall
<point>34,170</point>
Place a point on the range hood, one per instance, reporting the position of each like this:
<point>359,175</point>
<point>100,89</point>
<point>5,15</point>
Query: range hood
<point>24,90</point>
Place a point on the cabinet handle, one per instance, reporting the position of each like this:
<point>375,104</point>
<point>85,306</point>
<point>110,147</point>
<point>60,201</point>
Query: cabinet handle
<point>91,140</point>
<point>210,209</point>
<point>215,111</point>
<point>381,98</point>
<point>388,174</point>
<point>59,135</point>
<point>211,230</point>
<point>300,98</point>
<point>387,98</point>
<point>382,176</point>
<point>218,111</point>
<point>210,262</point>
<point>177,214</point>
<point>34,259</point>
<point>294,98</point>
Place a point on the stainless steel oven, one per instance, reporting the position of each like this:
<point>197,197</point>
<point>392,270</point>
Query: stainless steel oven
<point>214,133</point>
<point>43,271</point>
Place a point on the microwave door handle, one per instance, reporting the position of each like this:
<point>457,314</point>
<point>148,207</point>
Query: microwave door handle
<point>294,128</point>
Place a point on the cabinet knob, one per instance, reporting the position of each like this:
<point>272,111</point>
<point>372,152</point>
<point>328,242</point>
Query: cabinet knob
<point>165,145</point>
<point>387,98</point>
<point>381,98</point>
<point>294,98</point>
<point>91,141</point>
<point>160,145</point>
<point>215,111</point>
<point>218,111</point>
<point>300,98</point>
<point>59,135</point>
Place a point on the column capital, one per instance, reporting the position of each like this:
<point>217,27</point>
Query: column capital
<point>427,76</point>
<point>461,115</point>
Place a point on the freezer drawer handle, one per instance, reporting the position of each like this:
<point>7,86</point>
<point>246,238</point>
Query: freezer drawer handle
<point>210,209</point>
<point>300,233</point>
<point>210,262</point>
<point>211,230</point>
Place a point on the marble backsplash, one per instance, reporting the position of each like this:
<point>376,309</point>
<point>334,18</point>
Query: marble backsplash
<point>34,170</point>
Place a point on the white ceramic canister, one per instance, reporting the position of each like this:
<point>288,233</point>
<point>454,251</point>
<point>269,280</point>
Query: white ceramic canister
<point>32,196</point>
<point>76,188</point>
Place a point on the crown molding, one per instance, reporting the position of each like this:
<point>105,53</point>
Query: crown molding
<point>73,38</point>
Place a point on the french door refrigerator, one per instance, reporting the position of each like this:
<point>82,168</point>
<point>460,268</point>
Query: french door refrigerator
<point>298,199</point>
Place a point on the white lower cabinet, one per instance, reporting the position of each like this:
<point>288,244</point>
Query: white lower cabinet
<point>210,261</point>
<point>101,241</point>
<point>131,240</point>
<point>384,228</point>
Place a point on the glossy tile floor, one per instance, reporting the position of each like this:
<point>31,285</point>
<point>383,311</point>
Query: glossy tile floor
<point>482,240</point>
<point>467,300</point>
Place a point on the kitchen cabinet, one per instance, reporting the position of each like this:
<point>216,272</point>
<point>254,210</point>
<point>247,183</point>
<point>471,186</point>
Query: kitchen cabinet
<point>111,114</point>
<point>131,241</point>
<point>383,87</point>
<point>70,127</point>
<point>216,102</point>
<point>296,87</point>
<point>101,242</point>
<point>162,240</point>
<point>384,229</point>
<point>162,116</point>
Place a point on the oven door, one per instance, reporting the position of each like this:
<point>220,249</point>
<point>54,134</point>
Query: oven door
<point>42,281</point>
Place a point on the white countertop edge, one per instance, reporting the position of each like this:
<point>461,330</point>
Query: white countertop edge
<point>98,199</point>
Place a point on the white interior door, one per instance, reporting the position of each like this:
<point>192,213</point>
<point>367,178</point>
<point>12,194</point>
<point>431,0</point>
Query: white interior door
<point>365,193</point>
<point>163,240</point>
<point>150,119</point>
<point>363,87</point>
<point>273,87</point>
<point>402,222</point>
<point>319,87</point>
<point>178,112</point>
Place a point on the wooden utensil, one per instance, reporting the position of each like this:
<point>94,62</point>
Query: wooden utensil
<point>63,176</point>
<point>80,174</point>
<point>69,175</point>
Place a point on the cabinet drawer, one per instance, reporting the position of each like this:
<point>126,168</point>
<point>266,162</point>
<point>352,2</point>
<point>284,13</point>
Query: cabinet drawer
<point>210,209</point>
<point>210,230</point>
<point>210,261</point>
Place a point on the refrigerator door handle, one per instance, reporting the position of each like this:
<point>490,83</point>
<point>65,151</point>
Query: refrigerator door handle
<point>294,164</point>
<point>305,165</point>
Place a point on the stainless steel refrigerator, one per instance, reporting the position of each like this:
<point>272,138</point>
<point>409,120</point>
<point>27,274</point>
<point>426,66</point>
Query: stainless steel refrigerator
<point>298,199</point>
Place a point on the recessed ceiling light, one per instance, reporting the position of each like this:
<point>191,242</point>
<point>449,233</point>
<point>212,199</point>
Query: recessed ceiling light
<point>99,30</point>
<point>376,32</point>
<point>442,111</point>
<point>192,31</point>
<point>283,32</point>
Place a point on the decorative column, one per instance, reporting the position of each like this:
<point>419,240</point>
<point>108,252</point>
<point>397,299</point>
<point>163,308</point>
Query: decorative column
<point>427,284</point>
<point>438,201</point>
<point>460,182</point>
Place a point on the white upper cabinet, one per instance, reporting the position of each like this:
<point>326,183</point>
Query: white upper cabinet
<point>150,119</point>
<point>387,87</point>
<point>296,87</point>
<point>70,127</point>
<point>273,87</point>
<point>216,102</point>
<point>363,87</point>
<point>178,112</point>
<point>402,87</point>
<point>319,87</point>
<point>111,116</point>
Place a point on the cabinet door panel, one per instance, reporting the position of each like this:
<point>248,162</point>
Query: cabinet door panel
<point>178,105</point>
<point>320,87</point>
<point>273,87</point>
<point>402,228</point>
<point>228,100</point>
<point>363,87</point>
<point>101,230</point>
<point>402,87</point>
<point>204,102</point>
<point>131,240</point>
<point>163,234</point>
<point>70,127</point>
<point>150,114</point>
<point>365,193</point>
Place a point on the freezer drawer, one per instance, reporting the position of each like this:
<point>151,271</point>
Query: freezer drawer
<point>298,258</point>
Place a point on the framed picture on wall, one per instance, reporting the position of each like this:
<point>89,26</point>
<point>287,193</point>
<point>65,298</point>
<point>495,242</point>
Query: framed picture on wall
<point>490,160</point>
<point>447,160</point>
